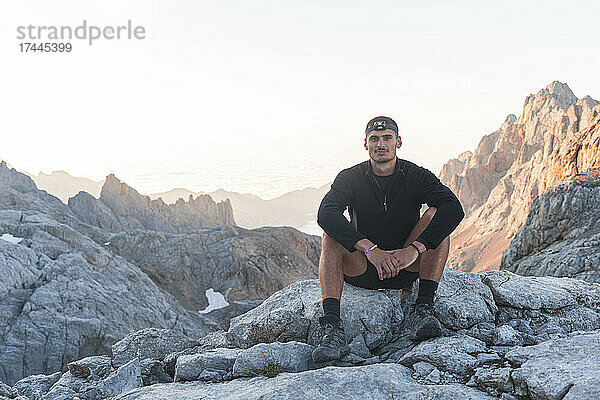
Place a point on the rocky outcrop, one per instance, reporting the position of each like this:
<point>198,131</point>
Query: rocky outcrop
<point>561,236</point>
<point>504,336</point>
<point>243,264</point>
<point>556,136</point>
<point>63,297</point>
<point>68,293</point>
<point>122,208</point>
<point>473,176</point>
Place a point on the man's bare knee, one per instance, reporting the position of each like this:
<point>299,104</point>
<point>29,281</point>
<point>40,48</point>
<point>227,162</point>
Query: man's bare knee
<point>330,241</point>
<point>329,244</point>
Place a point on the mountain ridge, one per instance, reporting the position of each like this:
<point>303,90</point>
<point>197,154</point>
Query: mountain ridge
<point>515,164</point>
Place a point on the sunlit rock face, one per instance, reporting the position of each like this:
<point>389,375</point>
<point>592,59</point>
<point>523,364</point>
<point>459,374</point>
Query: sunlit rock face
<point>555,137</point>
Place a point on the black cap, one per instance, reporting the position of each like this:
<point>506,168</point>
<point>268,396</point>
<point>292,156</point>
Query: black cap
<point>381,123</point>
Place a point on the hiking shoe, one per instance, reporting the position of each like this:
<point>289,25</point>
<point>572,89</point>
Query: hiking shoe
<point>423,324</point>
<point>333,344</point>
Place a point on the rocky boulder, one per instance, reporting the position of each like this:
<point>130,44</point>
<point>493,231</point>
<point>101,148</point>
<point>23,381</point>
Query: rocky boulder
<point>241,264</point>
<point>64,297</point>
<point>561,236</point>
<point>504,336</point>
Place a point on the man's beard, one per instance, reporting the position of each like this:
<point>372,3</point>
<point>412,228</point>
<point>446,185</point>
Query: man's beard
<point>379,160</point>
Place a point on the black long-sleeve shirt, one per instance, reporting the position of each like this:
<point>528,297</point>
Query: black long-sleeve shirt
<point>387,225</point>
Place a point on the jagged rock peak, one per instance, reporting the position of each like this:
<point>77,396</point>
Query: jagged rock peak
<point>15,179</point>
<point>589,101</point>
<point>465,155</point>
<point>157,215</point>
<point>559,89</point>
<point>508,121</point>
<point>114,186</point>
<point>560,92</point>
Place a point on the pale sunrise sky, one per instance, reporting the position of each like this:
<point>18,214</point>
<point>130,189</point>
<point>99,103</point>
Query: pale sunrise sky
<point>271,96</point>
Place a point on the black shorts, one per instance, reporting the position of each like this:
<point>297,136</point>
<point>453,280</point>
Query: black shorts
<point>370,280</point>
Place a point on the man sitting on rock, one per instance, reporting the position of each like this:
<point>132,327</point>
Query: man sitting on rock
<point>383,196</point>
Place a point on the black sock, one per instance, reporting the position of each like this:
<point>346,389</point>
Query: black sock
<point>427,290</point>
<point>331,307</point>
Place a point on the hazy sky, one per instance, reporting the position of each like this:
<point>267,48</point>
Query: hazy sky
<point>244,87</point>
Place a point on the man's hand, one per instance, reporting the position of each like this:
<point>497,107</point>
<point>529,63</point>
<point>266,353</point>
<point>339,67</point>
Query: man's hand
<point>384,261</point>
<point>404,257</point>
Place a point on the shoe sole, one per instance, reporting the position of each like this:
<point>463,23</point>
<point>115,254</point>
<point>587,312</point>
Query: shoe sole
<point>344,351</point>
<point>428,331</point>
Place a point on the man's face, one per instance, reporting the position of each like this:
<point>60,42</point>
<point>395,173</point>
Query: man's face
<point>382,145</point>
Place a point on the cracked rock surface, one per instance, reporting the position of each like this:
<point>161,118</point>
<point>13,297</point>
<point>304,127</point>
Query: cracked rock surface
<point>77,278</point>
<point>515,345</point>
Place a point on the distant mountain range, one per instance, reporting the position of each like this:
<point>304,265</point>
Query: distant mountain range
<point>297,208</point>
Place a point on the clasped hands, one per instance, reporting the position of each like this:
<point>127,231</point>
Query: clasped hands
<point>389,262</point>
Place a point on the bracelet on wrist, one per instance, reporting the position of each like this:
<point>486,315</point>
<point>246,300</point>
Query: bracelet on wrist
<point>372,248</point>
<point>415,246</point>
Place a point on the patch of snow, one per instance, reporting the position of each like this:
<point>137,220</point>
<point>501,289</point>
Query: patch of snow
<point>107,243</point>
<point>10,238</point>
<point>215,301</point>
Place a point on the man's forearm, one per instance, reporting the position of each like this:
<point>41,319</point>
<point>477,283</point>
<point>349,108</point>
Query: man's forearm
<point>363,245</point>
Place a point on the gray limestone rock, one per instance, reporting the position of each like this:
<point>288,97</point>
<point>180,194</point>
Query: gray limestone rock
<point>283,357</point>
<point>434,376</point>
<point>66,387</point>
<point>529,293</point>
<point>35,386</point>
<point>370,382</point>
<point>189,367</point>
<point>454,354</point>
<point>208,375</point>
<point>67,291</point>
<point>150,343</point>
<point>542,306</point>
<point>506,335</point>
<point>223,316</point>
<point>153,371</point>
<point>463,300</point>
<point>492,377</point>
<point>122,208</point>
<point>240,264</point>
<point>125,378</point>
<point>6,390</point>
<point>561,236</point>
<point>422,368</point>
<point>69,298</point>
<point>359,347</point>
<point>564,368</point>
<point>479,357</point>
<point>213,340</point>
<point>93,367</point>
<point>291,315</point>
